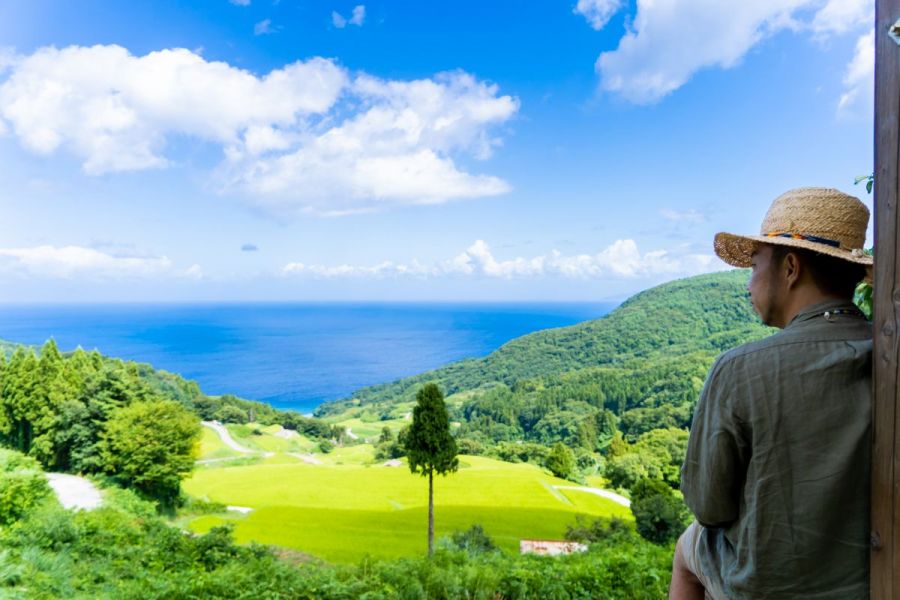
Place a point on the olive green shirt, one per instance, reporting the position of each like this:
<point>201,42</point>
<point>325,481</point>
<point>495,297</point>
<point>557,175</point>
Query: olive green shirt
<point>778,463</point>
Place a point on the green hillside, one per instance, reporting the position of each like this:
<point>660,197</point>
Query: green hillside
<point>650,355</point>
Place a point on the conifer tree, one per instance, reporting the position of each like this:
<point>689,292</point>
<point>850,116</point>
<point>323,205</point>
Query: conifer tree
<point>561,460</point>
<point>430,448</point>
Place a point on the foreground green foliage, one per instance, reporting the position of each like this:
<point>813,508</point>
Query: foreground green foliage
<point>123,552</point>
<point>22,485</point>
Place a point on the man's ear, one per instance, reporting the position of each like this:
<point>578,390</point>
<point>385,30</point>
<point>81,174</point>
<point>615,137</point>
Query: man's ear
<point>791,268</point>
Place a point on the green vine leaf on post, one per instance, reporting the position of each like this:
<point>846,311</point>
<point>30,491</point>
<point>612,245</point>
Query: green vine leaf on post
<point>869,179</point>
<point>862,297</point>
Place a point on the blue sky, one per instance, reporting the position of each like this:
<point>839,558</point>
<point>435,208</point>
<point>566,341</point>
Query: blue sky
<point>258,150</point>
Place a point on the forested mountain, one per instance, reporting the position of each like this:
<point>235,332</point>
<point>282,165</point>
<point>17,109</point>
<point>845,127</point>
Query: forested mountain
<point>639,368</point>
<point>708,313</point>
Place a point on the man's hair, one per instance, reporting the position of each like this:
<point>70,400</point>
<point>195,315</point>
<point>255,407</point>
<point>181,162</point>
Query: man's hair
<point>832,275</point>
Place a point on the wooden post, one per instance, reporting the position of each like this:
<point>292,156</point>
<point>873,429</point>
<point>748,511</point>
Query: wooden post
<point>885,557</point>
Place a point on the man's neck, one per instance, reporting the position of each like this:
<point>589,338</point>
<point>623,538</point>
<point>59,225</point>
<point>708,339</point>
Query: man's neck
<point>803,298</point>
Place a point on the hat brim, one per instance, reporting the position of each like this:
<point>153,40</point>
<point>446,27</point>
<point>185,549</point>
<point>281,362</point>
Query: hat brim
<point>737,250</point>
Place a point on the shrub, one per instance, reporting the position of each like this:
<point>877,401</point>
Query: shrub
<point>473,540</point>
<point>470,447</point>
<point>231,414</point>
<point>23,485</point>
<point>660,516</point>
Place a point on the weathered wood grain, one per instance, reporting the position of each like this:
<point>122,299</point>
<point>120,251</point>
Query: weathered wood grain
<point>885,577</point>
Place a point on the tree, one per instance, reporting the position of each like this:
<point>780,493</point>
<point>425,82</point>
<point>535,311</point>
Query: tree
<point>386,436</point>
<point>561,460</point>
<point>659,515</point>
<point>430,448</point>
<point>150,446</point>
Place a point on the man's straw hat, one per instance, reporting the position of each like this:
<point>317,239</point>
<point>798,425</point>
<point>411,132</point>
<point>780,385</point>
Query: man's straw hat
<point>819,219</point>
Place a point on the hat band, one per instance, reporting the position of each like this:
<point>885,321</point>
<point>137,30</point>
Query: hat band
<point>808,238</point>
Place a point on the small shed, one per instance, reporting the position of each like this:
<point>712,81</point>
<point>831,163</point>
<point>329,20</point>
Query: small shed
<point>549,547</point>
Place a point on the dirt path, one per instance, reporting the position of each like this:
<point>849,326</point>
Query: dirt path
<point>74,492</point>
<point>307,458</point>
<point>598,492</point>
<point>230,441</point>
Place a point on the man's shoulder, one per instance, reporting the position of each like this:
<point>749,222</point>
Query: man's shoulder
<point>779,346</point>
<point>757,350</point>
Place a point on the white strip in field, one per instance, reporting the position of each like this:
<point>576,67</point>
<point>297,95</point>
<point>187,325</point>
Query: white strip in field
<point>598,492</point>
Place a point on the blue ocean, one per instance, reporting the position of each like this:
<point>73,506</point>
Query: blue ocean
<point>293,356</point>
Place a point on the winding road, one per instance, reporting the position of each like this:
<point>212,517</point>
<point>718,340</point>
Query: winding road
<point>230,441</point>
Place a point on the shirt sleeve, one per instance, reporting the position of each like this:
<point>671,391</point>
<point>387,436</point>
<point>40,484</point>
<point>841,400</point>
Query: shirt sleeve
<point>716,461</point>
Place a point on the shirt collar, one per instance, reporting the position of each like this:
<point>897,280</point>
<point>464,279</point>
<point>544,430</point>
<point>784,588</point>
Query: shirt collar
<point>814,310</point>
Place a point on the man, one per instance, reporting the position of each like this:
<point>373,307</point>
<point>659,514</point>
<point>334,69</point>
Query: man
<point>777,467</point>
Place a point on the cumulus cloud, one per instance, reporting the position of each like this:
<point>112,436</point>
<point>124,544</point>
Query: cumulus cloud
<point>263,27</point>
<point>78,261</point>
<point>309,137</point>
<point>841,16</point>
<point>621,260</point>
<point>398,149</point>
<point>357,17</point>
<point>859,78</point>
<point>597,12</point>
<point>668,41</point>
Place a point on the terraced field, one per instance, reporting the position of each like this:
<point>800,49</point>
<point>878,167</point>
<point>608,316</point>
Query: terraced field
<point>349,506</point>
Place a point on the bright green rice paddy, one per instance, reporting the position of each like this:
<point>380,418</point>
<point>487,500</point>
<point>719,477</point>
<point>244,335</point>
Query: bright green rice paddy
<point>349,507</point>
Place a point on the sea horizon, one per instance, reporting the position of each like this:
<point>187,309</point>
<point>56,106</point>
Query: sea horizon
<point>292,355</point>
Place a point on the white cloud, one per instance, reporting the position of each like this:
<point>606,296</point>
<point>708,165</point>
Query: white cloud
<point>670,40</point>
<point>597,12</point>
<point>359,15</point>
<point>621,260</point>
<point>689,216</point>
<point>240,2</point>
<point>263,27</point>
<point>859,78</point>
<point>193,272</point>
<point>841,16</point>
<point>77,261</point>
<point>305,138</point>
<point>396,150</point>
<point>114,110</point>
